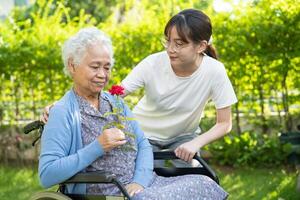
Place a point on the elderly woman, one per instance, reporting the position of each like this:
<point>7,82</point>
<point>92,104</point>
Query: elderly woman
<point>75,138</point>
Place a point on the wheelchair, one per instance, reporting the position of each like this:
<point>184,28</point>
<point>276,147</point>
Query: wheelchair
<point>107,178</point>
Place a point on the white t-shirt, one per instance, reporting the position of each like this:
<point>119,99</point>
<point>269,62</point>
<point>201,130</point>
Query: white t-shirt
<point>173,105</point>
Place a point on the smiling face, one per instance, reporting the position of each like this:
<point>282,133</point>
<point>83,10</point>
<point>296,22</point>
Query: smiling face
<point>93,72</point>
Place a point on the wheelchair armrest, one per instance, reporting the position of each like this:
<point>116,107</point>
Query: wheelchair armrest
<point>97,177</point>
<point>168,154</point>
<point>164,155</point>
<point>91,177</point>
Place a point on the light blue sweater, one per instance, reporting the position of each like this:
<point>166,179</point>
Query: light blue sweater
<point>62,152</point>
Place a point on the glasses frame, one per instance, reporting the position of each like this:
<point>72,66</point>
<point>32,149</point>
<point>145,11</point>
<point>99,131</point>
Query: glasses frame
<point>176,47</point>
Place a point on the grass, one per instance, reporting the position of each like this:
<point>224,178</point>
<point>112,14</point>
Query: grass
<point>18,183</point>
<point>262,184</point>
<point>241,183</point>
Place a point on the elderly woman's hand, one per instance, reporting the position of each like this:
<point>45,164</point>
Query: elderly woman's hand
<point>111,138</point>
<point>134,188</point>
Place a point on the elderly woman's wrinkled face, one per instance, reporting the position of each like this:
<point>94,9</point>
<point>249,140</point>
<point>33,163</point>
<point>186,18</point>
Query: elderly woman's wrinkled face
<point>93,72</point>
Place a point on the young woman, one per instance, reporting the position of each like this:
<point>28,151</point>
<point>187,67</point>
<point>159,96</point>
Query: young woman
<point>178,83</point>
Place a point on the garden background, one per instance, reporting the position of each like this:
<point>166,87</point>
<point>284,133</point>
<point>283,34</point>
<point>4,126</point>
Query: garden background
<point>257,40</point>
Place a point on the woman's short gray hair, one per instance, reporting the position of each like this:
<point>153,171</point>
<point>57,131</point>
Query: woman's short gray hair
<point>76,45</point>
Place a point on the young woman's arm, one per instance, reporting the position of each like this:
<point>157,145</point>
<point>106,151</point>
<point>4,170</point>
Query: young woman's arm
<point>187,150</point>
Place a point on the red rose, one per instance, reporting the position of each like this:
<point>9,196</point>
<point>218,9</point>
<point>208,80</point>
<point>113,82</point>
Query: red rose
<point>116,90</point>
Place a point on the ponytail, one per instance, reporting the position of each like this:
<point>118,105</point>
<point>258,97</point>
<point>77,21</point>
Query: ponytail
<point>211,51</point>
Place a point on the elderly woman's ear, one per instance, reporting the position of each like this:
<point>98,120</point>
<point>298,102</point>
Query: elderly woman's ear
<point>71,66</point>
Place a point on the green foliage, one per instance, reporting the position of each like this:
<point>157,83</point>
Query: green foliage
<point>259,44</point>
<point>249,149</point>
<point>121,123</point>
<point>99,9</point>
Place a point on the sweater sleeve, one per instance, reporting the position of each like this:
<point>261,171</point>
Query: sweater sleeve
<point>143,173</point>
<point>56,164</point>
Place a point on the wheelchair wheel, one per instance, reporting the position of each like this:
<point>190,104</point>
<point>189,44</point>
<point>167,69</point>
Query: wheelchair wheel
<point>50,196</point>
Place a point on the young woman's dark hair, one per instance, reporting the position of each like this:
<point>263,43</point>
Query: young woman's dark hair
<point>194,25</point>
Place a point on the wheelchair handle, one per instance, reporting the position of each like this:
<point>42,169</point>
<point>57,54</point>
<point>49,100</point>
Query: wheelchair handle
<point>33,126</point>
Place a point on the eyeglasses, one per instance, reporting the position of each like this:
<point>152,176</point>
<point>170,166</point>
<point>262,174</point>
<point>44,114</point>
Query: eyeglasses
<point>177,46</point>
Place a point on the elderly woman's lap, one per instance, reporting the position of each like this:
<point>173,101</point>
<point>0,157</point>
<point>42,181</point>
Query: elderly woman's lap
<point>192,187</point>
